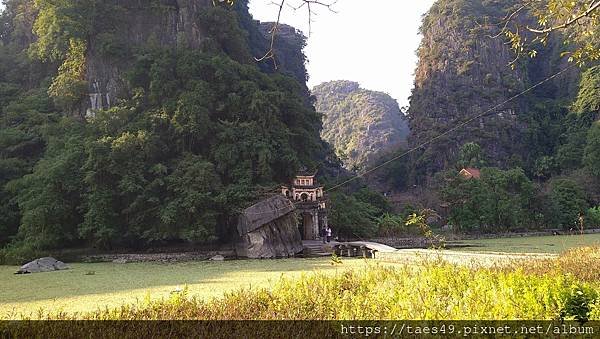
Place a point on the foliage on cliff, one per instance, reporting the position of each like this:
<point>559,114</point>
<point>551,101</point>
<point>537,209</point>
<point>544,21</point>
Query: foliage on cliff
<point>463,72</point>
<point>566,192</point>
<point>362,125</point>
<point>197,136</point>
<point>577,21</point>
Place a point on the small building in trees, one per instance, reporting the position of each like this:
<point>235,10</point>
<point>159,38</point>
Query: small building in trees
<point>310,201</point>
<point>470,173</point>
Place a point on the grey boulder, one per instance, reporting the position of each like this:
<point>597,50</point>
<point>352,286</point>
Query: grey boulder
<point>47,264</point>
<point>269,229</point>
<point>217,257</point>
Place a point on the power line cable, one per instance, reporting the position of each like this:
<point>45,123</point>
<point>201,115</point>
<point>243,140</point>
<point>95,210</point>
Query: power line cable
<point>438,136</point>
<point>450,130</point>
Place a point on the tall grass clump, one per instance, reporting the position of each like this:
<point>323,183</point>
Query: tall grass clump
<point>582,263</point>
<point>433,291</point>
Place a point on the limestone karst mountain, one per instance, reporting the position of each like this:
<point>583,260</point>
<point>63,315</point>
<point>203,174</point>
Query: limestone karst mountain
<point>362,125</point>
<point>463,70</point>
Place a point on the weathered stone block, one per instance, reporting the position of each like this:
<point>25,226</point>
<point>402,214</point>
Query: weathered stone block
<point>269,229</point>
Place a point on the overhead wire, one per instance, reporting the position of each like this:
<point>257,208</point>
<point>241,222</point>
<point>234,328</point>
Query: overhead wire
<point>466,122</point>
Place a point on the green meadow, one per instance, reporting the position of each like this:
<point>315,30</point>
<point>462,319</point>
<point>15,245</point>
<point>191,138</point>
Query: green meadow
<point>96,288</point>
<point>89,286</point>
<point>544,244</point>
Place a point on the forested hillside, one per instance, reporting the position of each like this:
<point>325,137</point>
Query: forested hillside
<point>128,123</point>
<point>538,151</point>
<point>362,125</point>
<point>136,123</point>
<point>463,71</point>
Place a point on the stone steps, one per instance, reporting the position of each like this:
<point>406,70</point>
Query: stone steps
<point>317,249</point>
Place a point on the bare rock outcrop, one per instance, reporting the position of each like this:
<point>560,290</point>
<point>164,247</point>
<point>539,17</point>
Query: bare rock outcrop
<point>269,229</point>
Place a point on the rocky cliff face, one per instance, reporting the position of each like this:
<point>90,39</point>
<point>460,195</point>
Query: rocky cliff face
<point>165,23</point>
<point>361,125</point>
<point>289,50</point>
<point>463,72</point>
<point>135,26</point>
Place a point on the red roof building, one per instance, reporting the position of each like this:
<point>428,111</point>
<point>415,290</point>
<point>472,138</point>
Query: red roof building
<point>470,173</point>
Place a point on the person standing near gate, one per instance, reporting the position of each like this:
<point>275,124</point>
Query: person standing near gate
<point>328,233</point>
<point>322,234</point>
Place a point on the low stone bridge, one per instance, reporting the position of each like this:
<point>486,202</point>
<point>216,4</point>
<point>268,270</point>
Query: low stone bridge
<point>363,249</point>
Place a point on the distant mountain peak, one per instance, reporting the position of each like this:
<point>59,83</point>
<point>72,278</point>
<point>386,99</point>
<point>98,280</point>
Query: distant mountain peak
<point>362,125</point>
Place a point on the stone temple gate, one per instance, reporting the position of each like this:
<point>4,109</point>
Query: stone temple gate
<point>309,199</point>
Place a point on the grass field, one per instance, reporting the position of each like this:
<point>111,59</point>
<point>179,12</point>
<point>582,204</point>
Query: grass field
<point>90,286</point>
<point>545,244</point>
<point>111,285</point>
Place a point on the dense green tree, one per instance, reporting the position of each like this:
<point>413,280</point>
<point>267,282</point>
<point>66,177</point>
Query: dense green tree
<point>351,218</point>
<point>592,150</point>
<point>568,202</point>
<point>195,190</point>
<point>22,115</point>
<point>471,155</point>
<point>379,202</point>
<point>49,197</point>
<point>498,201</point>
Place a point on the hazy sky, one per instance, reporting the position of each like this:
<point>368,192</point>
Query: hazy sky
<point>372,42</point>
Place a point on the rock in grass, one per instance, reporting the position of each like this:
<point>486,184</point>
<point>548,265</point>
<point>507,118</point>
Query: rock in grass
<point>217,257</point>
<point>47,264</point>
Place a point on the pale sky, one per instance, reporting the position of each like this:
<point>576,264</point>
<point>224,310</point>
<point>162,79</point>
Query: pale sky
<point>372,42</point>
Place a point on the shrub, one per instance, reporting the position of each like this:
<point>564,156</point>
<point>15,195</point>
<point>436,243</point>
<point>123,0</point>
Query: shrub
<point>578,303</point>
<point>593,217</point>
<point>18,253</point>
